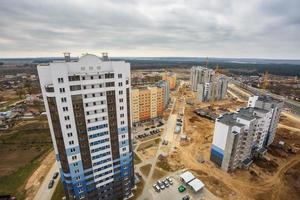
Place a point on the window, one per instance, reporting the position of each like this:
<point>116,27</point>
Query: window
<point>70,134</point>
<point>65,109</point>
<point>74,78</point>
<point>84,87</point>
<point>121,100</point>
<point>61,90</point>
<point>83,78</point>
<point>124,149</point>
<point>74,157</point>
<point>92,77</point>
<point>67,117</point>
<point>110,84</point>
<point>76,171</point>
<point>121,92</point>
<point>85,96</point>
<point>94,103</point>
<point>72,150</point>
<point>68,126</point>
<point>60,80</point>
<point>63,99</point>
<point>127,82</point>
<point>119,75</point>
<point>123,136</point>
<point>122,115</point>
<point>122,122</point>
<point>121,107</point>
<point>75,87</point>
<point>120,84</point>
<point>71,142</point>
<point>109,75</point>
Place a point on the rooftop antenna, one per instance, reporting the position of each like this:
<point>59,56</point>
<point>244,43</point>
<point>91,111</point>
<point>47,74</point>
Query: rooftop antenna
<point>67,56</point>
<point>105,56</point>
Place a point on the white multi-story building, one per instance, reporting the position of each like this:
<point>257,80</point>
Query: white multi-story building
<point>240,136</point>
<point>272,105</point>
<point>208,85</point>
<point>88,109</point>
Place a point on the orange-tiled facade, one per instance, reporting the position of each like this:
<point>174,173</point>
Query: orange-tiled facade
<point>147,103</point>
<point>171,78</point>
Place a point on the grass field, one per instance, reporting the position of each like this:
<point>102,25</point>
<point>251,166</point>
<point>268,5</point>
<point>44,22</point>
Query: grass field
<point>59,192</point>
<point>22,149</point>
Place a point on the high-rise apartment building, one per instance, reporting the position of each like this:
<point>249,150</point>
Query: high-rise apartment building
<point>207,84</point>
<point>272,105</point>
<point>171,78</point>
<point>240,136</point>
<point>147,103</point>
<point>88,109</point>
<point>166,90</point>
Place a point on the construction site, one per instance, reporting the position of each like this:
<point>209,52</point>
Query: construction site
<point>274,176</point>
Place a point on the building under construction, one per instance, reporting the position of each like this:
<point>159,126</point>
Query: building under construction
<point>208,84</point>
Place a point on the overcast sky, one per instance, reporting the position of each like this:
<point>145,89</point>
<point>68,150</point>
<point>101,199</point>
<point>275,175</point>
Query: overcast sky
<point>213,28</point>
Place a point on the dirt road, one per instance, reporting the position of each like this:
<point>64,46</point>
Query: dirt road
<point>43,192</point>
<point>37,178</point>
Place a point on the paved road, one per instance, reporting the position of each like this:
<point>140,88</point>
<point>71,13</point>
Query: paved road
<point>288,103</point>
<point>44,193</point>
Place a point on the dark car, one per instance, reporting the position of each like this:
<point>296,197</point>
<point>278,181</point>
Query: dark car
<point>186,197</point>
<point>55,175</point>
<point>51,183</point>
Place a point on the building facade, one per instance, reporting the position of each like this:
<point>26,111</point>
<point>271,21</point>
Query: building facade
<point>207,84</point>
<point>240,136</point>
<point>147,103</point>
<point>171,78</point>
<point>272,105</point>
<point>88,109</point>
<point>166,90</point>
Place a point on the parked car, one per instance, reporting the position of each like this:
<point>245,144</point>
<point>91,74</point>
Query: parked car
<point>55,175</point>
<point>146,129</point>
<point>166,183</point>
<point>186,197</point>
<point>181,188</point>
<point>161,185</point>
<point>169,180</point>
<point>51,183</point>
<point>156,188</point>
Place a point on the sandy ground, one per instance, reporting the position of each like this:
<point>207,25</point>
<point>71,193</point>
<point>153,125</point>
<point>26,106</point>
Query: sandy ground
<point>35,181</point>
<point>266,179</point>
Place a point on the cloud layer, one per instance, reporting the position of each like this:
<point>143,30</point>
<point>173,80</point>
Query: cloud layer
<point>220,28</point>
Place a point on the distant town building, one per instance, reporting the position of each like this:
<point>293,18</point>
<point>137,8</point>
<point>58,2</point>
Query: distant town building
<point>147,102</point>
<point>241,135</point>
<point>88,109</point>
<point>207,84</point>
<point>171,78</point>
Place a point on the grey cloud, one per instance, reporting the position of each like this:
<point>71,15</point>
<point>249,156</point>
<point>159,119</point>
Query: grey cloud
<point>159,27</point>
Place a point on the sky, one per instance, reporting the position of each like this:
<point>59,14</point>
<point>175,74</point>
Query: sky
<point>188,28</point>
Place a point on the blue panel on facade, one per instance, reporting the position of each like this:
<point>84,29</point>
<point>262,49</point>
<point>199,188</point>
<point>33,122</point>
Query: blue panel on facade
<point>123,129</point>
<point>72,151</point>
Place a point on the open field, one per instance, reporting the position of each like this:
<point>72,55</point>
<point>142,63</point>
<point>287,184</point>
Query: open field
<point>22,150</point>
